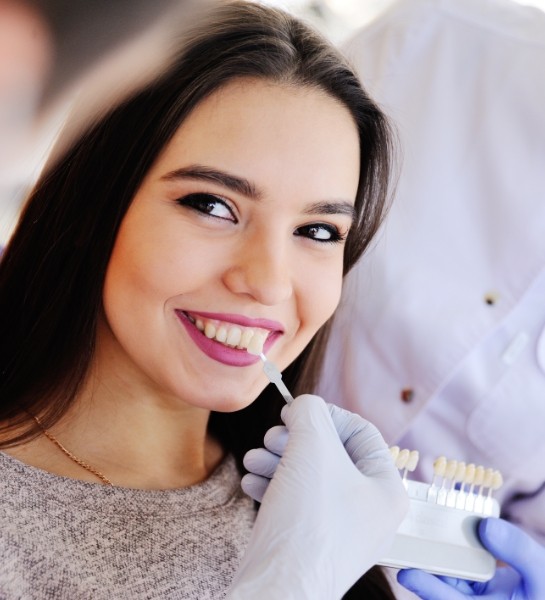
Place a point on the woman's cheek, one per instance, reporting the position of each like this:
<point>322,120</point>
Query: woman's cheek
<point>322,294</point>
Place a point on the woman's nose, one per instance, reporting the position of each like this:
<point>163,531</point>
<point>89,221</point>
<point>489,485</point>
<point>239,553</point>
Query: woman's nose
<point>261,269</point>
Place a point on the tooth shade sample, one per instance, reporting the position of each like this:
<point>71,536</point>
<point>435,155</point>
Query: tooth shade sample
<point>402,459</point>
<point>247,335</point>
<point>460,471</point>
<point>497,480</point>
<point>439,466</point>
<point>413,460</point>
<point>479,475</point>
<point>256,343</point>
<point>487,480</point>
<point>394,452</point>
<point>470,473</point>
<point>451,469</point>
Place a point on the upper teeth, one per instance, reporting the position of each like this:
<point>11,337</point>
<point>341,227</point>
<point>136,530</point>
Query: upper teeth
<point>236,336</point>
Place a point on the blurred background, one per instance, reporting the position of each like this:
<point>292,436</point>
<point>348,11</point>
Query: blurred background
<point>335,18</point>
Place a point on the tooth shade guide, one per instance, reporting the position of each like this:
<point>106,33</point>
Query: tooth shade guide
<point>441,538</point>
<point>459,482</point>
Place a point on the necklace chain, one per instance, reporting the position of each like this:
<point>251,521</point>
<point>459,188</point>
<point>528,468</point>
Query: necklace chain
<point>71,456</point>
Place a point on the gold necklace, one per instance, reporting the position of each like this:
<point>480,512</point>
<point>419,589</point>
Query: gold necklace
<point>71,456</point>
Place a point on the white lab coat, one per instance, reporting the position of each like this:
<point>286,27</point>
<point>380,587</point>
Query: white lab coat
<point>448,309</point>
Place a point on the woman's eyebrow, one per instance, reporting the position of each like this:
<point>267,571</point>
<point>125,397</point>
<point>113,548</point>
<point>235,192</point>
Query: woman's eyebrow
<point>339,207</point>
<point>245,187</point>
<point>228,180</point>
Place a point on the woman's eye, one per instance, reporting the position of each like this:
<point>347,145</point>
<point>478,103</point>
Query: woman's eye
<point>321,232</point>
<point>209,205</point>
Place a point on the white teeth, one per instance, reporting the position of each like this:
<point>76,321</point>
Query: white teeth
<point>234,336</point>
<point>256,343</point>
<point>221,334</point>
<point>244,338</point>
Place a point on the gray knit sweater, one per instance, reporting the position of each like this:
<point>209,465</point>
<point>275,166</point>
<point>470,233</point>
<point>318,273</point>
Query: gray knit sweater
<point>67,539</point>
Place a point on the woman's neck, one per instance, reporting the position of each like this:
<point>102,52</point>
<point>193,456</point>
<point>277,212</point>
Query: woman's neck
<point>134,440</point>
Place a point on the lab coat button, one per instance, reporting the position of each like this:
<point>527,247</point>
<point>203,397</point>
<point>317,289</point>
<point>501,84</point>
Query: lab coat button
<point>491,298</point>
<point>407,395</point>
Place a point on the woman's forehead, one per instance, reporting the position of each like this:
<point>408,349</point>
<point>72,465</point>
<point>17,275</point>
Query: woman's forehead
<point>270,131</point>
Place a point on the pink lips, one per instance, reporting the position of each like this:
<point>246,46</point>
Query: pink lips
<point>221,353</point>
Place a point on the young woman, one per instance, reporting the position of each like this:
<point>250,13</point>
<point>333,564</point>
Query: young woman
<point>217,209</point>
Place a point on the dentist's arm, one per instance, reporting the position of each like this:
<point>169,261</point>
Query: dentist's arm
<point>331,503</point>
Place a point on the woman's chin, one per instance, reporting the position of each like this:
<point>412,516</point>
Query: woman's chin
<point>238,400</point>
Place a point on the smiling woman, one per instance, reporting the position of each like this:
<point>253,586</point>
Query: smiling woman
<point>251,239</point>
<point>216,210</point>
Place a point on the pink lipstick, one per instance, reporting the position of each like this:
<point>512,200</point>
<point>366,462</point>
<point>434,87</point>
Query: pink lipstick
<point>219,352</point>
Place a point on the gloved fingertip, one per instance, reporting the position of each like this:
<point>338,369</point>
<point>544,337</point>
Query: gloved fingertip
<point>249,458</point>
<point>423,584</point>
<point>276,439</point>
<point>304,402</point>
<point>406,577</point>
<point>494,533</point>
<point>254,486</point>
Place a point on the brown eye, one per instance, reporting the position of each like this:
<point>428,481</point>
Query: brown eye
<point>320,232</point>
<point>208,204</point>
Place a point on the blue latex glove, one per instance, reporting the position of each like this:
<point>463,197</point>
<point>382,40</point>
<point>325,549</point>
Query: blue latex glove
<point>522,579</point>
<point>332,500</point>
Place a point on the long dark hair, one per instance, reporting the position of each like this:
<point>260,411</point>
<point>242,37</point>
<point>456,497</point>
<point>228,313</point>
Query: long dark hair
<point>52,271</point>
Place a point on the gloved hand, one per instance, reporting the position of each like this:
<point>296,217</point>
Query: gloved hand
<point>330,510</point>
<point>523,579</point>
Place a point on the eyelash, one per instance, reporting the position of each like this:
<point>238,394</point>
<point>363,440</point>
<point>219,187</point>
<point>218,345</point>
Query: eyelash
<point>335,235</point>
<point>202,203</point>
